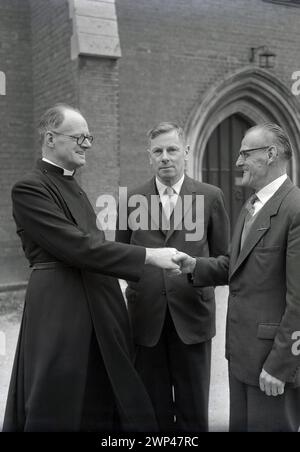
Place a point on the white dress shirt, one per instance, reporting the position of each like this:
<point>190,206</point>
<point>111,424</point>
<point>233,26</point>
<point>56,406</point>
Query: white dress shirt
<point>267,192</point>
<point>165,198</point>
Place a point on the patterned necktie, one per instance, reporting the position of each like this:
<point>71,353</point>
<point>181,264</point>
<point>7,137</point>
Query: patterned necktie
<point>170,201</point>
<point>249,217</point>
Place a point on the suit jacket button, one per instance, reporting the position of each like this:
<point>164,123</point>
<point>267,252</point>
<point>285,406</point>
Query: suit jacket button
<point>164,292</point>
<point>45,171</point>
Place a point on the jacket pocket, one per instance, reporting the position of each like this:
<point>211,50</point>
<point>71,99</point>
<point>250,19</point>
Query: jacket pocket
<point>267,330</point>
<point>207,293</point>
<point>267,249</point>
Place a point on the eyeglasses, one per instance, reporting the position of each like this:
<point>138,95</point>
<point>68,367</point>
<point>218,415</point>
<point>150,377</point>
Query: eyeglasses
<point>80,140</point>
<point>243,154</point>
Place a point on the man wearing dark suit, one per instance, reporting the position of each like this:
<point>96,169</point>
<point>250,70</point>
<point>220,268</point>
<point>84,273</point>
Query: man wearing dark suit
<point>263,321</point>
<point>73,368</point>
<point>173,322</point>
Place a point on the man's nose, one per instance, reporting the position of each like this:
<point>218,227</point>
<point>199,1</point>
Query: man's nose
<point>165,156</point>
<point>86,144</point>
<point>240,161</point>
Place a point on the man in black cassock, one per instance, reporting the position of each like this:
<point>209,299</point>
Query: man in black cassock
<point>73,366</point>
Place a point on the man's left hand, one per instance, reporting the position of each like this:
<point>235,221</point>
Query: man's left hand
<point>270,385</point>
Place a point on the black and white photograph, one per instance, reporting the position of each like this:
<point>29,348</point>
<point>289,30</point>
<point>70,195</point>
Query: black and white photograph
<point>150,218</point>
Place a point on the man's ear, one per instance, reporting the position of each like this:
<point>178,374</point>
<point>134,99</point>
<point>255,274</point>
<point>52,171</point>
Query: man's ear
<point>186,152</point>
<point>149,155</point>
<point>272,153</point>
<point>49,139</point>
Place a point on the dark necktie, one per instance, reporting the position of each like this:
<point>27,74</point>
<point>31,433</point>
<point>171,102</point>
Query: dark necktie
<point>249,218</point>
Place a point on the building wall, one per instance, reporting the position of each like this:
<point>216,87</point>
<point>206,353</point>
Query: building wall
<point>35,55</point>
<point>99,99</point>
<point>173,51</point>
<point>54,73</point>
<point>16,151</point>
<point>87,83</point>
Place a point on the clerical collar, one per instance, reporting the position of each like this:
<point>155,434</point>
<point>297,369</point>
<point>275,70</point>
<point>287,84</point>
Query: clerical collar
<point>65,171</point>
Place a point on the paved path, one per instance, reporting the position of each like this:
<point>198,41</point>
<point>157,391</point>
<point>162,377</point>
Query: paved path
<point>9,329</point>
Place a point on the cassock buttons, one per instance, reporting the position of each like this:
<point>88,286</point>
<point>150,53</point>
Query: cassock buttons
<point>80,192</point>
<point>45,171</point>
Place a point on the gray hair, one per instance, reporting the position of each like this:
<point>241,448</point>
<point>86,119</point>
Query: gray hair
<point>281,140</point>
<point>53,118</point>
<point>165,127</point>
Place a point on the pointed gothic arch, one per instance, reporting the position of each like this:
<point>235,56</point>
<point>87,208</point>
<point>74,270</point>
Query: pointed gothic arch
<point>252,92</point>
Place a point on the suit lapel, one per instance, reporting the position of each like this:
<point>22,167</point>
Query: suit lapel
<point>260,226</point>
<point>150,202</point>
<point>236,239</point>
<point>187,202</point>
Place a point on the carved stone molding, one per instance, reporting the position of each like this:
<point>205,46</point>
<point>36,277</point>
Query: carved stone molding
<point>252,92</point>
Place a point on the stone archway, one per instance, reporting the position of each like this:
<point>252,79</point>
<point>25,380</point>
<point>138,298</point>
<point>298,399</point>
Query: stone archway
<point>252,92</point>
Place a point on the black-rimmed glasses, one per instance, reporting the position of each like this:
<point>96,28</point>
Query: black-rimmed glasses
<point>243,154</point>
<point>79,139</point>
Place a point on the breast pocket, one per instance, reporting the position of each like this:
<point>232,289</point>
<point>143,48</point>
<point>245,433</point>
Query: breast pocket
<point>267,330</point>
<point>267,249</point>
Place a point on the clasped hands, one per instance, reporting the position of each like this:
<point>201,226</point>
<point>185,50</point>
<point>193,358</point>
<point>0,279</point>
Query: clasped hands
<point>173,261</point>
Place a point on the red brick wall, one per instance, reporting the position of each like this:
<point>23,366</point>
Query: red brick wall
<point>16,152</point>
<point>173,50</point>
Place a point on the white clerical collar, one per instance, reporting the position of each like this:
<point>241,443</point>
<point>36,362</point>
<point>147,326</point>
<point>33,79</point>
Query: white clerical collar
<point>162,187</point>
<point>265,193</point>
<point>66,172</point>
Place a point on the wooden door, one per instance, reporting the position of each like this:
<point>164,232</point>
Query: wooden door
<point>219,160</point>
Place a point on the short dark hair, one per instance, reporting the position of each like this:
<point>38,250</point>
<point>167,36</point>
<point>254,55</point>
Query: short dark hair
<point>165,127</point>
<point>280,138</point>
<point>53,118</point>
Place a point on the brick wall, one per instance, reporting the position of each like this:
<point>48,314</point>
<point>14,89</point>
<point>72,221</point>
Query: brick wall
<point>90,84</point>
<point>54,74</point>
<point>99,100</point>
<point>16,150</point>
<point>174,50</point>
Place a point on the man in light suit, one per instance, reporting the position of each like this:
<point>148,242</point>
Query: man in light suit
<point>173,322</point>
<point>263,321</point>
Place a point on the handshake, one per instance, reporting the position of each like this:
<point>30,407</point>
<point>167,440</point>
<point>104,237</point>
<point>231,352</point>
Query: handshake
<point>170,259</point>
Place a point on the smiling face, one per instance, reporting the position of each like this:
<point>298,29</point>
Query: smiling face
<point>64,150</point>
<point>167,157</point>
<point>256,164</point>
